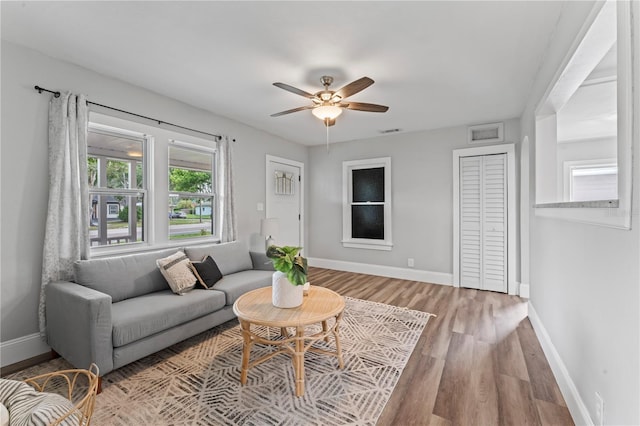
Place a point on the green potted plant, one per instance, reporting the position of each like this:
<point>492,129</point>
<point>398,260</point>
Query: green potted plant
<point>290,275</point>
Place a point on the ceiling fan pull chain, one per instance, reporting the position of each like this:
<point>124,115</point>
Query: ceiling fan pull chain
<point>326,124</point>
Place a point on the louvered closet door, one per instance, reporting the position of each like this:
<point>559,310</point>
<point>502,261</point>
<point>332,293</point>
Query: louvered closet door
<point>483,219</point>
<point>470,221</point>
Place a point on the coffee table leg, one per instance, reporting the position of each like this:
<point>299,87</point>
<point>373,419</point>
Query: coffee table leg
<point>298,361</point>
<point>337,337</point>
<point>246,350</point>
<point>324,330</point>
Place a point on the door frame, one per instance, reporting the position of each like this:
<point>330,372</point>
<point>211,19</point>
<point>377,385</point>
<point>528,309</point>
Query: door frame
<point>508,149</point>
<point>288,162</point>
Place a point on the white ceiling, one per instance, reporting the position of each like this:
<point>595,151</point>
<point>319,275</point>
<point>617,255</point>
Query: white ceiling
<point>436,64</point>
<point>591,112</point>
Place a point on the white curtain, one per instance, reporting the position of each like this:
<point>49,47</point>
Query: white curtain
<point>67,227</point>
<point>226,202</point>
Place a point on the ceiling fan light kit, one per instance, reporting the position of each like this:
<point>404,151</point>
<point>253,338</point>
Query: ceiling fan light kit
<point>326,111</point>
<point>327,105</point>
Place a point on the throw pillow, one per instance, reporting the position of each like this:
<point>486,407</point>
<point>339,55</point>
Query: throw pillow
<point>207,272</point>
<point>176,271</point>
<point>31,407</point>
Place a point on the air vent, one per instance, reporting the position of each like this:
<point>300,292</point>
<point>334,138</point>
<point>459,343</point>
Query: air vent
<point>486,133</point>
<point>384,132</point>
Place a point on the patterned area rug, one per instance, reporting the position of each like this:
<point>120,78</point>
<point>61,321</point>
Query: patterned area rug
<point>196,382</point>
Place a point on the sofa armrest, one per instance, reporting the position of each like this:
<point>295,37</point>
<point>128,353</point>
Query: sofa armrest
<point>79,325</point>
<point>261,261</point>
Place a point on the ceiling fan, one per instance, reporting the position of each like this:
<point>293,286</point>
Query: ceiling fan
<point>328,104</point>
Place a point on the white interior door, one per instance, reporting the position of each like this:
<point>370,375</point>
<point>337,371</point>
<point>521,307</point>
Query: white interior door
<point>470,222</point>
<point>284,199</point>
<point>483,222</point>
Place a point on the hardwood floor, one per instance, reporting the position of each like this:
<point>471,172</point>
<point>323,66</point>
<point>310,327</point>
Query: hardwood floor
<point>478,362</point>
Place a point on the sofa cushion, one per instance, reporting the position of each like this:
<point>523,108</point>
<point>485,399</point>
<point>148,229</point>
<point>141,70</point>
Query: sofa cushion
<point>207,272</point>
<point>235,285</point>
<point>123,277</point>
<point>175,269</point>
<point>230,257</point>
<point>134,319</point>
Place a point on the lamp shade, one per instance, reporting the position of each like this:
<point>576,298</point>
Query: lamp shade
<point>269,227</point>
<point>326,111</point>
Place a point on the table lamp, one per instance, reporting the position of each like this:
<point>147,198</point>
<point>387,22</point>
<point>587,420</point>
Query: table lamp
<point>269,229</point>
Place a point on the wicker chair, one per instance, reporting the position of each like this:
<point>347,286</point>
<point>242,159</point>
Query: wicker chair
<point>72,384</point>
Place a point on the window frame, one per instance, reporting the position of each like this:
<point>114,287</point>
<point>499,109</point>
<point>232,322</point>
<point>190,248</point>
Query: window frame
<point>214,185</point>
<point>155,217</point>
<point>146,140</point>
<point>347,196</point>
<point>609,213</point>
<point>570,166</point>
<point>109,209</point>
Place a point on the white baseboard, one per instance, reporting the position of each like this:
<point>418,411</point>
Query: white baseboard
<point>524,290</point>
<point>383,271</point>
<point>576,405</point>
<point>22,348</point>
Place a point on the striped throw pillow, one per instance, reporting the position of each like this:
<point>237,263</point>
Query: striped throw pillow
<point>27,406</point>
<point>176,271</point>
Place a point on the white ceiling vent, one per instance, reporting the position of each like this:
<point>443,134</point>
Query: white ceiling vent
<point>486,133</point>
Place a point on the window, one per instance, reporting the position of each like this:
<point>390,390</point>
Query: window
<point>117,191</point>
<point>591,180</point>
<point>586,117</point>
<point>114,209</point>
<point>367,204</point>
<point>148,186</point>
<point>191,196</point>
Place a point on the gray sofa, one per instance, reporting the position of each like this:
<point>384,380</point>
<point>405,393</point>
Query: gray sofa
<point>121,309</point>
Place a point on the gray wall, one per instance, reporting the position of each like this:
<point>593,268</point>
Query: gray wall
<point>585,279</point>
<point>422,196</point>
<point>24,165</point>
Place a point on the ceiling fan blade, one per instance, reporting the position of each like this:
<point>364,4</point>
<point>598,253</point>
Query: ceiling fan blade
<point>295,90</point>
<point>289,111</point>
<point>353,87</point>
<point>360,106</point>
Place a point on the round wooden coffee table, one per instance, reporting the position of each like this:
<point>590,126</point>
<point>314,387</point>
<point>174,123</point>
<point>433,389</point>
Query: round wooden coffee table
<point>321,305</point>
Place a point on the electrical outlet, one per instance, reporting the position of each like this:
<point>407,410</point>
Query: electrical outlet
<point>410,262</point>
<point>599,410</point>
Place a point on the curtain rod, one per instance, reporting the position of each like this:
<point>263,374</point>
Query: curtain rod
<point>57,95</point>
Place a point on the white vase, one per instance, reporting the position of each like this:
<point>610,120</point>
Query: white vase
<point>283,293</point>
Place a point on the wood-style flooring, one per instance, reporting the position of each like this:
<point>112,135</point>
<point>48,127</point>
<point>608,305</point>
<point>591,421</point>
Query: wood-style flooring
<point>478,362</point>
